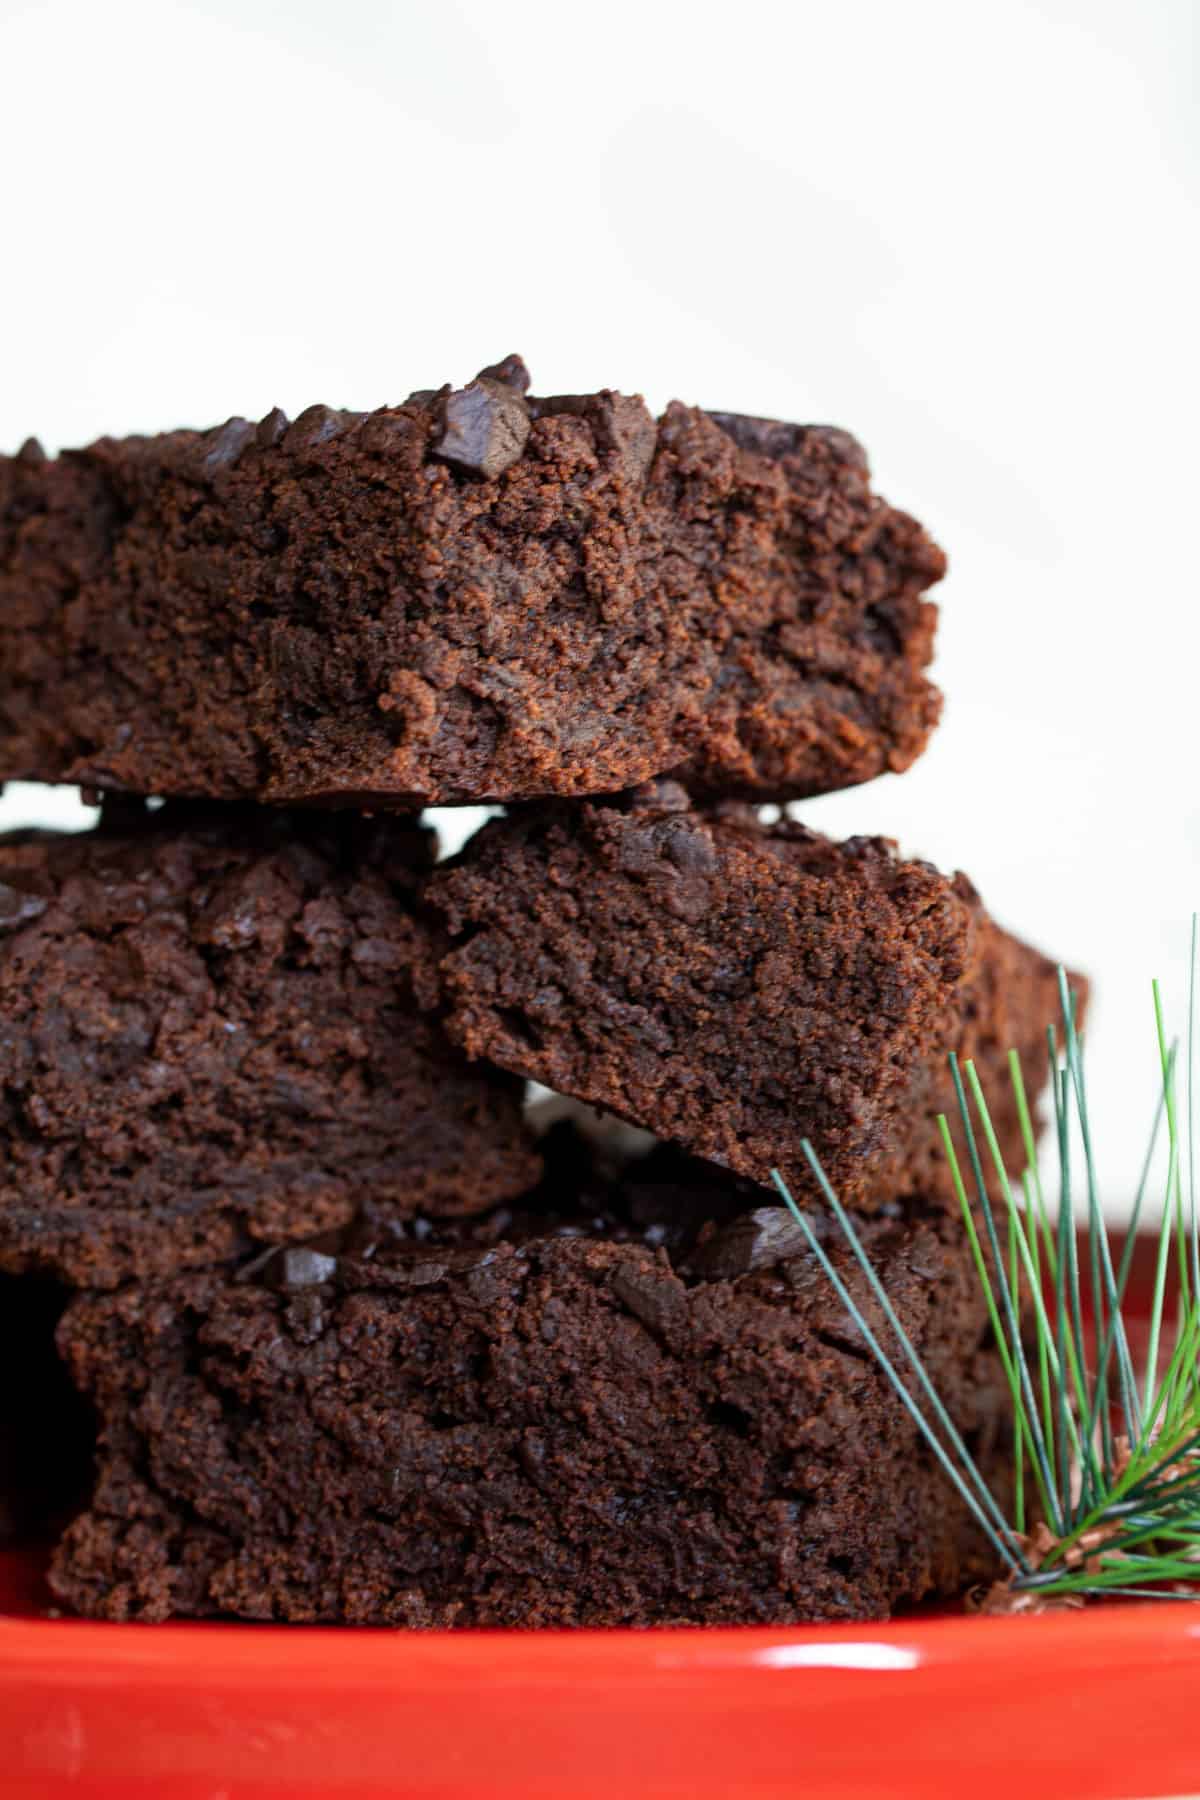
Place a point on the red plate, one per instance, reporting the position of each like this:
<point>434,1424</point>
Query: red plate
<point>1097,1704</point>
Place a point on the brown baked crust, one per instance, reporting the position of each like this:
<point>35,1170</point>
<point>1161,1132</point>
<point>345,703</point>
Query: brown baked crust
<point>472,596</point>
<point>214,1031</point>
<point>738,988</point>
<point>563,1428</point>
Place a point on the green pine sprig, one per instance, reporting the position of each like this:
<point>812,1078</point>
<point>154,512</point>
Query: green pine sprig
<point>1106,1459</point>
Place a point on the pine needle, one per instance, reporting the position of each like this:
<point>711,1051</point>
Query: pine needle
<point>1113,1462</point>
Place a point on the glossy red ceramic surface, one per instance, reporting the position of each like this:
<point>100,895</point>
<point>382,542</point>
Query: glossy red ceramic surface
<point>1102,1704</point>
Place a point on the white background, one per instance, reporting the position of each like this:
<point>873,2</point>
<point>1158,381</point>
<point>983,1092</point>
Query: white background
<point>968,232</point>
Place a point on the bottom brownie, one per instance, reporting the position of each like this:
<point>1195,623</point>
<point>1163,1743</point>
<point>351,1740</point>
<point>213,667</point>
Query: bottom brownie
<point>603,1416</point>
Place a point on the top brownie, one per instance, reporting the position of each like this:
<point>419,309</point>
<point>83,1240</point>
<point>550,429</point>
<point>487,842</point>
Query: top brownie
<point>473,596</point>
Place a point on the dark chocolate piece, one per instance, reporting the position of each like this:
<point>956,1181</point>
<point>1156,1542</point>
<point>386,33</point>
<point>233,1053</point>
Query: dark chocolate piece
<point>510,372</point>
<point>302,1267</point>
<point>755,1240</point>
<point>486,428</point>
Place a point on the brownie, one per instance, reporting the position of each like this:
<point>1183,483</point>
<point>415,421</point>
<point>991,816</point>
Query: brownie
<point>476,595</point>
<point>217,1031</point>
<point>738,987</point>
<point>46,1429</point>
<point>553,1420</point>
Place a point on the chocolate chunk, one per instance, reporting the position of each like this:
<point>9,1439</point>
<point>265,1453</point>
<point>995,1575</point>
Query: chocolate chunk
<point>485,430</point>
<point>755,1241</point>
<point>677,853</point>
<point>272,428</point>
<point>773,438</point>
<point>653,1295</point>
<point>315,426</point>
<point>31,453</point>
<point>688,846</point>
<point>765,437</point>
<point>300,1267</point>
<point>510,373</point>
<point>628,431</point>
<point>221,448</point>
<point>17,909</point>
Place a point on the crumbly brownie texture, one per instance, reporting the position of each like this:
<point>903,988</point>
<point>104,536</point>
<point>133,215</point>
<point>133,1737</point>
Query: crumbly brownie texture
<point>214,1031</point>
<point>738,988</point>
<point>472,596</point>
<point>46,1429</point>
<point>557,1425</point>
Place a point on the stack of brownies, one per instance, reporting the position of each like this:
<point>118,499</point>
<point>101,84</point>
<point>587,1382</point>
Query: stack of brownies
<point>356,1343</point>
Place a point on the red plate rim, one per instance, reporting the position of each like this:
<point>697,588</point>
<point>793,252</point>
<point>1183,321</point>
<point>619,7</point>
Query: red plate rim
<point>1092,1703</point>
